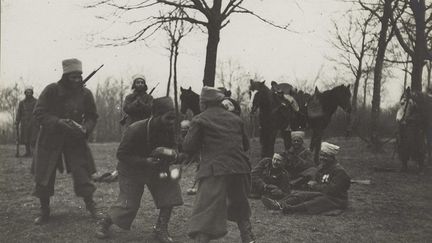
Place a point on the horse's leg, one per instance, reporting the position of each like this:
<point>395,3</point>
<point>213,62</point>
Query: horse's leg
<point>317,145</point>
<point>286,135</point>
<point>267,142</point>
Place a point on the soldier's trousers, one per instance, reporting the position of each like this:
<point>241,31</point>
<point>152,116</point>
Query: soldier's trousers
<point>83,185</point>
<point>219,198</point>
<point>166,193</point>
<point>313,202</point>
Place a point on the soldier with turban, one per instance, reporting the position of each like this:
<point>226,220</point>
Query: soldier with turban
<point>329,190</point>
<point>66,111</point>
<point>137,105</point>
<point>219,137</point>
<point>300,165</point>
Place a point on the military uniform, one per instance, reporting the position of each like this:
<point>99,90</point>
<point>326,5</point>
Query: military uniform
<point>134,174</point>
<point>330,193</point>
<point>219,137</point>
<point>137,106</point>
<point>263,175</point>
<point>28,126</point>
<point>300,166</point>
<point>57,144</point>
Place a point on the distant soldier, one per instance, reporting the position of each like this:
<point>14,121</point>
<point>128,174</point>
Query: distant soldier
<point>219,137</point>
<point>26,123</point>
<point>137,105</point>
<point>300,165</point>
<point>67,113</point>
<point>270,178</point>
<point>328,192</point>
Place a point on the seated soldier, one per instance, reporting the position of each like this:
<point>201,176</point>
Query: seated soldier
<point>328,192</point>
<point>270,179</point>
<point>300,165</point>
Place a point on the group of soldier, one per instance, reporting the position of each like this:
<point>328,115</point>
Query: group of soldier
<point>290,181</point>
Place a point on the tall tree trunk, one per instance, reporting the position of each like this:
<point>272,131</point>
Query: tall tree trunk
<point>211,54</point>
<point>406,73</point>
<point>170,69</point>
<point>419,10</point>
<point>356,87</point>
<point>379,61</point>
<point>177,122</point>
<point>365,93</point>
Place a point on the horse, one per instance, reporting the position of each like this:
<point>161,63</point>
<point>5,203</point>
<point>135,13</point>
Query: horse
<point>189,100</point>
<point>412,126</point>
<point>274,115</point>
<point>328,101</point>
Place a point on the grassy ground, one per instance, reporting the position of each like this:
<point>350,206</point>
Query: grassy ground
<point>394,208</point>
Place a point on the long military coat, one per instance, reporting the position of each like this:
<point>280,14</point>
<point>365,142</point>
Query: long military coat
<point>137,106</point>
<point>24,117</point>
<point>219,138</point>
<point>54,103</point>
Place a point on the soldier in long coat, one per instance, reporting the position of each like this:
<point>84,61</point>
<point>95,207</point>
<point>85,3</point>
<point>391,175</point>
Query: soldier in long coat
<point>138,167</point>
<point>67,113</point>
<point>219,137</point>
<point>137,105</point>
<point>300,165</point>
<point>328,192</point>
<point>28,127</point>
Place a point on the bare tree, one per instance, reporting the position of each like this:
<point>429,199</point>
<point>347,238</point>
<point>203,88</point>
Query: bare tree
<point>383,11</point>
<point>9,99</point>
<point>354,43</point>
<point>413,32</point>
<point>213,18</point>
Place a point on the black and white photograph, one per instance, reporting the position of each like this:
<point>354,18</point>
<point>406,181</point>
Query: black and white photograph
<point>197,121</point>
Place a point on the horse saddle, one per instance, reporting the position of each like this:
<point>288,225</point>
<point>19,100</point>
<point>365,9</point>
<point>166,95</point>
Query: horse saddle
<point>314,108</point>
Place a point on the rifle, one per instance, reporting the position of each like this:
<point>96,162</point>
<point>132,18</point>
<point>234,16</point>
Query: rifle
<point>91,74</point>
<point>17,154</point>
<point>123,119</point>
<point>151,91</point>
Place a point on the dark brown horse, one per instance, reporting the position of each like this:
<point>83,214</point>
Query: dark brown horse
<point>189,100</point>
<point>274,115</point>
<point>329,101</point>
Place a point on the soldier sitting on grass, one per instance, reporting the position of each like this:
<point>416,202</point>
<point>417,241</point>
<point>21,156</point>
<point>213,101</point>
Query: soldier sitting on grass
<point>300,164</point>
<point>328,192</point>
<point>270,178</point>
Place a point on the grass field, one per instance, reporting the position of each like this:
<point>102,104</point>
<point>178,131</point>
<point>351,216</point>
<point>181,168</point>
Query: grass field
<point>394,208</point>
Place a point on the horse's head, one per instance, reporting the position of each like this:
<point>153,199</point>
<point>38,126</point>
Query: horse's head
<point>189,100</point>
<point>343,97</point>
<point>256,85</point>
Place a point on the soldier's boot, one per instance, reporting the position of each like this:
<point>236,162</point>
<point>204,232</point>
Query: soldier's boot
<point>92,207</point>
<point>246,234</point>
<point>103,226</point>
<point>289,209</point>
<point>44,216</point>
<point>202,238</point>
<point>161,227</point>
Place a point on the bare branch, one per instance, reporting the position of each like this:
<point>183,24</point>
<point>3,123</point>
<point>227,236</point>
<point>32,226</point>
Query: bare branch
<point>244,10</point>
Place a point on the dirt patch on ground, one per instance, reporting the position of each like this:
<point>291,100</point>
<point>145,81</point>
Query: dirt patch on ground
<point>394,208</point>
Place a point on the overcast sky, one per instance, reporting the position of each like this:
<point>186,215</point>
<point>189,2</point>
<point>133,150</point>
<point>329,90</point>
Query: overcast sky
<point>37,34</point>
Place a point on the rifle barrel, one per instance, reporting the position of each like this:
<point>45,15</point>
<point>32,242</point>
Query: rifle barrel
<point>92,73</point>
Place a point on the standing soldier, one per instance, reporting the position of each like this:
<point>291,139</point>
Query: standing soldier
<point>25,122</point>
<point>224,170</point>
<point>138,166</point>
<point>137,105</point>
<point>67,113</point>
